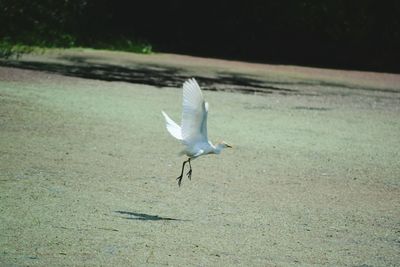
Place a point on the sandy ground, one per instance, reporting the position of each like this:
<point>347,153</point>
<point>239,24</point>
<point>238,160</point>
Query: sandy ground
<point>87,169</point>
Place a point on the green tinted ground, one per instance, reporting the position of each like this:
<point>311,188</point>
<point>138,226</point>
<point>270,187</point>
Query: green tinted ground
<point>87,172</point>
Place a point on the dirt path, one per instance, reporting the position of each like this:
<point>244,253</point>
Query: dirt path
<point>87,170</point>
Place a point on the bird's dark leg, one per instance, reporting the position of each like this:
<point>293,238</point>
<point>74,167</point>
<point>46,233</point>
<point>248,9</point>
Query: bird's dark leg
<point>183,167</point>
<point>189,174</point>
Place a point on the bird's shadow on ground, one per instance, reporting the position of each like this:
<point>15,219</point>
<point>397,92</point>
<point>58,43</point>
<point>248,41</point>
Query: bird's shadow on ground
<point>130,215</point>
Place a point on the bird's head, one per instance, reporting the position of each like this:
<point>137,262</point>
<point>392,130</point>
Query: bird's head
<point>221,146</point>
<point>225,145</point>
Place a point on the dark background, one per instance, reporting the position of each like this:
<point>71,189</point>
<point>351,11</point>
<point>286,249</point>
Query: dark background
<point>343,34</point>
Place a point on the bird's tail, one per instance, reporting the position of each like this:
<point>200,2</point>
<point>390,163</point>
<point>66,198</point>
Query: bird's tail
<point>173,128</point>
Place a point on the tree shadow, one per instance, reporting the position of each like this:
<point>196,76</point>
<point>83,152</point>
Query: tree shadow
<point>149,74</point>
<point>143,216</point>
<point>90,67</point>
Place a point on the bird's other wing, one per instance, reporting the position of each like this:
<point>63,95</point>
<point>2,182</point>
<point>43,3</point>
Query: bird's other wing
<point>194,113</point>
<point>173,128</point>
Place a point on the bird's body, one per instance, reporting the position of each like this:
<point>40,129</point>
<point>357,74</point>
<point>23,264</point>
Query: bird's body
<point>193,130</point>
<point>200,149</point>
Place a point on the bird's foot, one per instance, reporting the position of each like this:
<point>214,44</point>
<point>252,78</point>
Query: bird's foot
<point>179,180</point>
<point>189,174</point>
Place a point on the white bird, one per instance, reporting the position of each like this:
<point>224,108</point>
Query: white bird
<point>193,131</point>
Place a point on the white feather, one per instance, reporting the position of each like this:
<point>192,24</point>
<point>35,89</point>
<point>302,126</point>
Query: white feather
<point>173,128</point>
<point>194,114</point>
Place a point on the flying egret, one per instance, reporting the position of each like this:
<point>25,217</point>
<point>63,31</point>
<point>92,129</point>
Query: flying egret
<point>193,130</point>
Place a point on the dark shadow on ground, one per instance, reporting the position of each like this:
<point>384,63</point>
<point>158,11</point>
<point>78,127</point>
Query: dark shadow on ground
<point>168,76</point>
<point>149,74</point>
<point>143,216</point>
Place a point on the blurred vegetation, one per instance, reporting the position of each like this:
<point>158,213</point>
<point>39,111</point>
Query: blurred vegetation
<point>363,34</point>
<point>32,26</point>
<point>8,49</point>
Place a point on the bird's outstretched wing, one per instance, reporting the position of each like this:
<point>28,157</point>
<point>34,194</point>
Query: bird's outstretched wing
<point>194,113</point>
<point>173,128</point>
